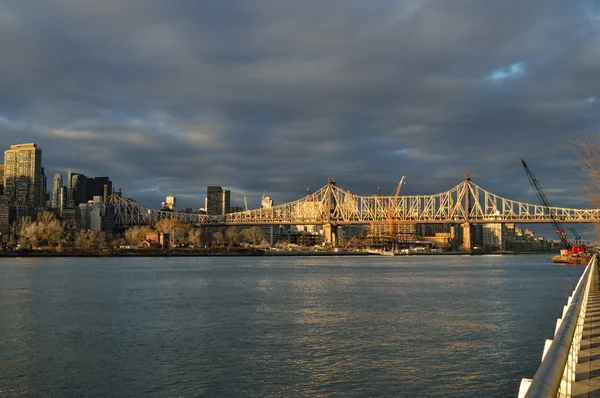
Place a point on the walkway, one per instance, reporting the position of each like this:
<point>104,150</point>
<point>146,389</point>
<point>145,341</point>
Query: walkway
<point>587,381</point>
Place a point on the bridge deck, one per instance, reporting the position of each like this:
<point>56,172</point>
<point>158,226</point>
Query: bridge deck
<point>587,381</point>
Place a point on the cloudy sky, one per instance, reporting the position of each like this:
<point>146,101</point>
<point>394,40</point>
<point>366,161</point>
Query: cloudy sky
<point>168,97</point>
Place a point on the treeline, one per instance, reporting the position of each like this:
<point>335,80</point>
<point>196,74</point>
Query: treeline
<point>49,233</point>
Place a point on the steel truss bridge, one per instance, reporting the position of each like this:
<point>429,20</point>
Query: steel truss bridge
<point>331,205</point>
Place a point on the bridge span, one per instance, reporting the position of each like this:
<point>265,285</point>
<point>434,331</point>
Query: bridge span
<point>331,206</point>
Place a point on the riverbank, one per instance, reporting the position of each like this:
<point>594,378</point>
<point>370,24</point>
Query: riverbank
<point>228,252</point>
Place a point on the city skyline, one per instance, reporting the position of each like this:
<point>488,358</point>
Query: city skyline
<point>170,99</point>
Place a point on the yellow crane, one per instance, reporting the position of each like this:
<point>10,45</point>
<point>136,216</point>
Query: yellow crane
<point>391,207</point>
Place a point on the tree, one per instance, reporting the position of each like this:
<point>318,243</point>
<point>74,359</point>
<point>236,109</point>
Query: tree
<point>218,238</point>
<point>587,151</point>
<point>195,237</point>
<point>27,234</point>
<point>46,232</point>
<point>117,242</point>
<point>172,226</point>
<point>253,235</point>
<point>135,235</point>
<point>90,240</point>
<point>233,235</point>
<point>49,229</point>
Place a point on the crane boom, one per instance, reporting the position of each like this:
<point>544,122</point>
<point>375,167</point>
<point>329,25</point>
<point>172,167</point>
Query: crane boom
<point>391,208</point>
<point>542,197</point>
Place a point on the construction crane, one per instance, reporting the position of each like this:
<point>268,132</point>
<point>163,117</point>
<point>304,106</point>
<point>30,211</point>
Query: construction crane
<point>577,238</point>
<point>567,247</point>
<point>391,207</point>
<point>245,201</point>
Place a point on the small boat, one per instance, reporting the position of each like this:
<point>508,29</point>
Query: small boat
<point>387,253</point>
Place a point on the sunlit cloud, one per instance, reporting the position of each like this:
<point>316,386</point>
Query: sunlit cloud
<point>516,69</point>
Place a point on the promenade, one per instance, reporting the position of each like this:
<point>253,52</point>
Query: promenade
<point>587,379</point>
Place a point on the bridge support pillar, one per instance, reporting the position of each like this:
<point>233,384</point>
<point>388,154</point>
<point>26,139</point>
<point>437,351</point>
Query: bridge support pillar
<point>330,234</point>
<point>453,237</point>
<point>467,239</point>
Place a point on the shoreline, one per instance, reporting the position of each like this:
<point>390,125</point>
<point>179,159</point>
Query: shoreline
<point>241,253</point>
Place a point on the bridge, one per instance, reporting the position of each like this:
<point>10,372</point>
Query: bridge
<point>331,206</point>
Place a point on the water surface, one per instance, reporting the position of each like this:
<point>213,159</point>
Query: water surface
<point>276,327</point>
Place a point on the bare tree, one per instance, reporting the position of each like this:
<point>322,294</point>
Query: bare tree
<point>218,238</point>
<point>175,228</point>
<point>118,242</point>
<point>90,240</point>
<point>587,151</point>
<point>13,239</point>
<point>135,235</point>
<point>233,235</point>
<point>49,229</point>
<point>27,234</point>
<point>196,237</point>
<point>253,235</point>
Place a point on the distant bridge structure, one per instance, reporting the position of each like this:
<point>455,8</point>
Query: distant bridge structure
<point>331,206</point>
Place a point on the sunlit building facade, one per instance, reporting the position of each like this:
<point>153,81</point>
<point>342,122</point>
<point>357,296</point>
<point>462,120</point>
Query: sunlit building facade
<point>23,175</point>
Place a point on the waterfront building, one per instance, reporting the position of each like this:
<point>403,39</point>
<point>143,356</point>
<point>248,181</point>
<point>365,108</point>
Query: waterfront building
<point>95,214</point>
<point>432,229</point>
<point>217,201</point>
<point>1,179</point>
<point>156,239</point>
<point>493,236</point>
<point>71,217</point>
<point>23,175</point>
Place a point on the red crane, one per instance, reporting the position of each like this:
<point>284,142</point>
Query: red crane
<point>567,247</point>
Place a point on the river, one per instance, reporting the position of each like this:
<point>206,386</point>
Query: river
<point>430,326</point>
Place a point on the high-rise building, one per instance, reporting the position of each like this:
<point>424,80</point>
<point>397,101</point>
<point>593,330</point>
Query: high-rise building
<point>95,214</point>
<point>81,189</point>
<point>170,203</point>
<point>57,191</point>
<point>44,193</point>
<point>95,187</point>
<point>23,174</point>
<point>1,179</point>
<point>76,189</point>
<point>217,201</point>
<point>62,199</point>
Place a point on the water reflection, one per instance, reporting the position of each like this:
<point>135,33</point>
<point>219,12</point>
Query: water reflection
<point>414,326</point>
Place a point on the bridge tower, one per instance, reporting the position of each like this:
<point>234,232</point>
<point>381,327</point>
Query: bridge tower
<point>466,226</point>
<point>330,227</point>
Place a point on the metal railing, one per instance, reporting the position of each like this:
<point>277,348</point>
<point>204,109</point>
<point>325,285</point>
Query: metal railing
<point>556,373</point>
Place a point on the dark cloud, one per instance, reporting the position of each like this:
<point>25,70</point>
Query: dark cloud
<point>169,97</point>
